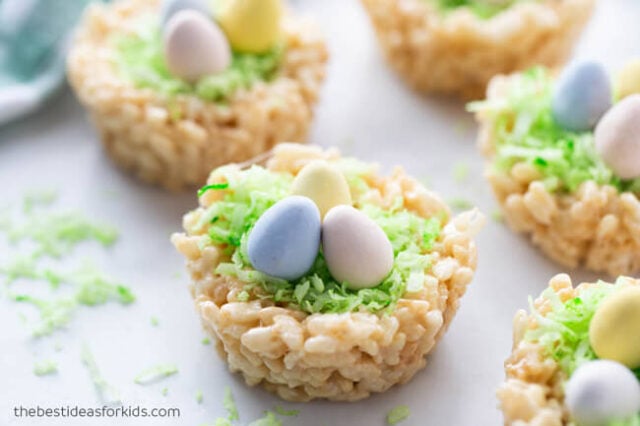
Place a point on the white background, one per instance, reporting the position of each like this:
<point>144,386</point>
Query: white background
<point>367,112</point>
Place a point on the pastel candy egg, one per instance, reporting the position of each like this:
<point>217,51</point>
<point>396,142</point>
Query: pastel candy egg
<point>194,46</point>
<point>324,184</point>
<point>617,138</point>
<point>171,7</point>
<point>356,249</point>
<point>581,96</point>
<point>614,331</point>
<point>252,25</point>
<point>600,392</point>
<point>284,241</point>
<point>628,79</point>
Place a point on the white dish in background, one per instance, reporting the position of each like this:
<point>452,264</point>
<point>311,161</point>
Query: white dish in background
<point>368,113</point>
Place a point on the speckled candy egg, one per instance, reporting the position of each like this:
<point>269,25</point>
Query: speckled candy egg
<point>356,249</point>
<point>194,46</point>
<point>628,79</point>
<point>285,240</point>
<point>581,96</point>
<point>252,26</point>
<point>602,391</point>
<point>617,138</point>
<point>614,331</point>
<point>324,184</point>
<point>171,7</point>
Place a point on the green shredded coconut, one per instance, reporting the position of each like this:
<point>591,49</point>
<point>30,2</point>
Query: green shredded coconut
<point>92,288</point>
<point>199,396</point>
<point>140,59</point>
<point>461,172</point>
<point>52,235</point>
<point>206,341</point>
<point>251,192</point>
<point>564,331</point>
<point>287,413</point>
<point>229,404</point>
<point>44,368</point>
<point>154,321</point>
<point>106,393</point>
<point>269,419</point>
<point>525,132</point>
<point>458,203</point>
<point>481,8</point>
<point>155,373</point>
<point>165,391</point>
<point>497,215</point>
<point>398,414</point>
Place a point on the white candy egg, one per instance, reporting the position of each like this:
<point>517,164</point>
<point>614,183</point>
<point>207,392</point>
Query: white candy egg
<point>617,138</point>
<point>194,46</point>
<point>356,249</point>
<point>602,391</point>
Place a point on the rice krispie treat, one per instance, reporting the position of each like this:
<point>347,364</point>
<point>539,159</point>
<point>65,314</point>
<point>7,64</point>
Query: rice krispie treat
<point>564,163</point>
<point>319,278</point>
<point>176,88</point>
<point>576,357</point>
<point>454,46</point>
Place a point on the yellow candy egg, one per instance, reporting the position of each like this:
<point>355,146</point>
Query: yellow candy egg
<point>324,184</point>
<point>615,328</point>
<point>251,26</point>
<point>628,79</point>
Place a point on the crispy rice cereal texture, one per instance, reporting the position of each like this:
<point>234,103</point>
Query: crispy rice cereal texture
<point>532,394</point>
<point>596,226</point>
<point>459,53</point>
<point>344,356</point>
<point>139,128</point>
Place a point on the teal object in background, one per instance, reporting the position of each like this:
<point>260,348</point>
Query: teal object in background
<point>33,37</point>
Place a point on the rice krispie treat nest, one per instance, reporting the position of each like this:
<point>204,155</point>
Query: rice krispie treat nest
<point>175,140</point>
<point>549,344</point>
<point>457,51</point>
<point>305,341</point>
<point>570,203</point>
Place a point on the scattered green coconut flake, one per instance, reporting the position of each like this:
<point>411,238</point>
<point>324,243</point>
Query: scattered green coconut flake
<point>155,373</point>
<point>243,296</point>
<point>54,314</point>
<point>458,203</point>
<point>497,215</point>
<point>154,321</point>
<point>57,234</point>
<point>461,172</point>
<point>398,414</point>
<point>481,8</point>
<point>140,59</point>
<point>20,267</point>
<point>221,421</point>
<point>525,132</point>
<point>206,341</point>
<point>287,413</point>
<point>44,368</point>
<point>106,393</point>
<point>165,391</point>
<point>269,419</point>
<point>94,288</point>
<point>199,396</point>
<point>251,192</point>
<point>229,404</point>
<point>38,198</point>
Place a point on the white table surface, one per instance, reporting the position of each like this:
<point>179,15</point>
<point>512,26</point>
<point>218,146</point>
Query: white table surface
<point>367,112</point>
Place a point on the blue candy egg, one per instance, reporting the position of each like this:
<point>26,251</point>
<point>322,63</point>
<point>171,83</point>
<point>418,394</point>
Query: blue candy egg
<point>285,240</point>
<point>171,7</point>
<point>582,95</point>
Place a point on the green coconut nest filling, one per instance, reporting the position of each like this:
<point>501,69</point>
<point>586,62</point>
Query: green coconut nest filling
<point>484,9</point>
<point>563,332</point>
<point>140,59</point>
<point>248,195</point>
<point>524,131</point>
